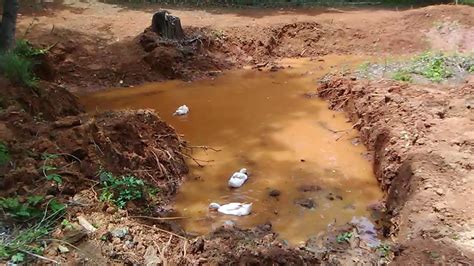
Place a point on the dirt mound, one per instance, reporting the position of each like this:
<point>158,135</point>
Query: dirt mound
<point>185,59</point>
<point>128,142</point>
<point>422,145</point>
<point>48,101</point>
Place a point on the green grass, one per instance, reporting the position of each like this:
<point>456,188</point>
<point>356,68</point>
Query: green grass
<point>402,75</point>
<point>17,64</point>
<point>26,238</point>
<point>18,69</point>
<point>4,154</point>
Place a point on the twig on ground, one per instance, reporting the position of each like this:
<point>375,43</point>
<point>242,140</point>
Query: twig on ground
<point>164,231</point>
<point>38,256</point>
<point>159,218</point>
<point>204,148</point>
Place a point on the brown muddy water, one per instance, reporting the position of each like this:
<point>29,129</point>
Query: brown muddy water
<point>264,122</point>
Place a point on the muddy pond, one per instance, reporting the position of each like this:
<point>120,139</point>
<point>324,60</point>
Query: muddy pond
<point>271,124</point>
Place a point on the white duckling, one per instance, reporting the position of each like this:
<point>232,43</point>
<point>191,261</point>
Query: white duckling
<point>238,178</point>
<point>234,208</point>
<point>182,110</point>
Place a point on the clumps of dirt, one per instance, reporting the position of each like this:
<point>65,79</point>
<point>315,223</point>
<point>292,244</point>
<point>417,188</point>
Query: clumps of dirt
<point>49,102</point>
<point>134,143</point>
<point>184,59</point>
<point>422,146</point>
<point>251,246</point>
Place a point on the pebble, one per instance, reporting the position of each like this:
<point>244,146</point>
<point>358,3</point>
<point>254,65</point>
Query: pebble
<point>120,232</point>
<point>439,191</point>
<point>110,210</point>
<point>63,249</point>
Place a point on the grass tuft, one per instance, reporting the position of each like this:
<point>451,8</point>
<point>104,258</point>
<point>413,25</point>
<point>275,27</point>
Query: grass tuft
<point>18,69</point>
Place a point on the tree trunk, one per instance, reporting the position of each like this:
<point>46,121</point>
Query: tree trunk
<point>7,28</point>
<point>167,26</point>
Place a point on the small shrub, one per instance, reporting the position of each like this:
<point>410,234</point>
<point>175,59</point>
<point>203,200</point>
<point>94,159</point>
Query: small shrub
<point>49,171</point>
<point>402,75</point>
<point>19,210</point>
<point>4,154</point>
<point>344,237</point>
<point>384,250</point>
<point>121,190</point>
<point>18,69</point>
<point>24,49</point>
<point>432,67</point>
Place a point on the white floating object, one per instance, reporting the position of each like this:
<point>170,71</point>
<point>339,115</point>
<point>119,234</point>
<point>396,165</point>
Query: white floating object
<point>182,110</point>
<point>238,178</point>
<point>234,208</point>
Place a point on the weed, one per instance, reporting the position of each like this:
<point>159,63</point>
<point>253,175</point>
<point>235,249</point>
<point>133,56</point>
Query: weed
<point>22,211</point>
<point>28,239</point>
<point>120,190</point>
<point>344,237</point>
<point>4,154</point>
<point>49,170</point>
<point>18,69</point>
<point>66,224</point>
<point>384,250</point>
<point>18,257</point>
<point>402,75</point>
<point>24,49</point>
<point>433,67</point>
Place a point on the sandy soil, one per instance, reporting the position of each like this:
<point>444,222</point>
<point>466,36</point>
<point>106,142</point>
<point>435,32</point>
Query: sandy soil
<point>421,136</point>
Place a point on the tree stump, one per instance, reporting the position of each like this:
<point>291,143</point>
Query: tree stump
<point>167,26</point>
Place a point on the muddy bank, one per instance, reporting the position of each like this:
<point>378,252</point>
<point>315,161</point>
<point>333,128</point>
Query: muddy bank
<point>103,45</point>
<point>421,139</point>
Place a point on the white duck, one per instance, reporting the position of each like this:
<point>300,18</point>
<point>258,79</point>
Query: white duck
<point>238,178</point>
<point>182,110</point>
<point>234,208</point>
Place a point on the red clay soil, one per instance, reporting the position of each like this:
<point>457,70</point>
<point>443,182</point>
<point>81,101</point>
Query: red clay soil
<point>99,45</point>
<point>127,142</point>
<point>422,140</point>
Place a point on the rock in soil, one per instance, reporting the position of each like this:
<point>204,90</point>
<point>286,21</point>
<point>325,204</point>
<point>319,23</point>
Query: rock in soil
<point>274,193</point>
<point>306,203</point>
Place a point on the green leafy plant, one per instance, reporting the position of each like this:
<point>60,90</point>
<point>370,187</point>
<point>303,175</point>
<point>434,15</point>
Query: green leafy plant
<point>18,69</point>
<point>120,190</point>
<point>384,250</point>
<point>433,67</point>
<point>19,210</point>
<point>49,171</point>
<point>66,224</point>
<point>344,237</point>
<point>4,153</point>
<point>18,257</point>
<point>25,49</point>
<point>402,75</point>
